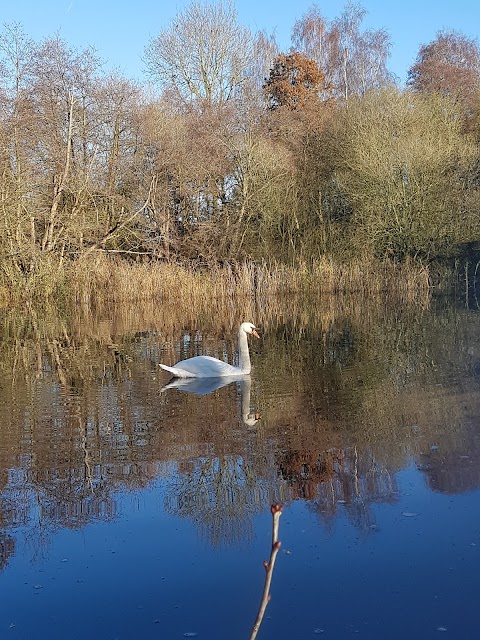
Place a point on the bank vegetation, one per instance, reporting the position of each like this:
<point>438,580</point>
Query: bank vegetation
<point>308,169</point>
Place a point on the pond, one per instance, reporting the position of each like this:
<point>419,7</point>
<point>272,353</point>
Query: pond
<point>131,508</point>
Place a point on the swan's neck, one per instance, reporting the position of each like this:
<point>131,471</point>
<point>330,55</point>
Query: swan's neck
<point>245,391</point>
<point>243,354</point>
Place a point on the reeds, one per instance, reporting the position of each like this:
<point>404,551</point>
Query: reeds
<point>121,281</point>
<point>238,287</point>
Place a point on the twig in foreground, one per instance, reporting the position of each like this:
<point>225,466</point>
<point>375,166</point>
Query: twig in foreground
<point>276,510</point>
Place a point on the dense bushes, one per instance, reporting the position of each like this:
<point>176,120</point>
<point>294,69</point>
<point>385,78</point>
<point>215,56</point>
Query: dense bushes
<point>404,166</point>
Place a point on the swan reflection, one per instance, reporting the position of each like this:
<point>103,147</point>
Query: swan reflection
<point>204,386</point>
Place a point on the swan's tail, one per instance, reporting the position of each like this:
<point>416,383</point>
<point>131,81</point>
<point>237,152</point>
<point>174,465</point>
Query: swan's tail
<point>177,372</point>
<point>169,369</point>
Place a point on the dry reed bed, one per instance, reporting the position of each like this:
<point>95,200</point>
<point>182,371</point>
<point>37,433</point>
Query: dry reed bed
<point>243,286</point>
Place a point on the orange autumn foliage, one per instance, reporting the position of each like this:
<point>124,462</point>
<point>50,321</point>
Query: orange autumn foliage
<point>294,80</point>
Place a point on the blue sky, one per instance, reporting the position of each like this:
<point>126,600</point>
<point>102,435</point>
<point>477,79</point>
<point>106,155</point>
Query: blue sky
<point>120,30</point>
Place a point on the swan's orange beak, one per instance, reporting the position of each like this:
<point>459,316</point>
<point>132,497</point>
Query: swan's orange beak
<point>254,333</point>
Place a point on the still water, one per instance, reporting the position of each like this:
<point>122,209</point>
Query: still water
<point>130,510</point>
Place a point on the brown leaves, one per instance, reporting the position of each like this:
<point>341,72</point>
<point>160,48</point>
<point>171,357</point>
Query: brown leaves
<point>294,80</point>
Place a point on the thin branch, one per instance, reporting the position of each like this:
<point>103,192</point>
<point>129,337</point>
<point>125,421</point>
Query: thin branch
<point>111,233</point>
<point>276,510</point>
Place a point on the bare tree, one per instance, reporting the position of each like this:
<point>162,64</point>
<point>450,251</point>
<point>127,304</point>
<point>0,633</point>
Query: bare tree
<point>205,55</point>
<point>361,57</point>
<point>16,53</point>
<point>265,51</point>
<point>86,186</point>
<point>61,91</point>
<point>450,64</point>
<point>250,101</point>
<point>353,61</point>
<point>312,36</point>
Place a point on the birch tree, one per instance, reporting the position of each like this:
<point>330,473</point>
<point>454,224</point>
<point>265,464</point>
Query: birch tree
<point>353,60</point>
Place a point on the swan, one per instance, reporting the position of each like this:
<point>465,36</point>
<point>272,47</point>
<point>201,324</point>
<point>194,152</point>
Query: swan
<point>208,367</point>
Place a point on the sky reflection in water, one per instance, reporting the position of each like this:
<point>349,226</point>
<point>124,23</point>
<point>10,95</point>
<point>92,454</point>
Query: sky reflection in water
<point>131,510</point>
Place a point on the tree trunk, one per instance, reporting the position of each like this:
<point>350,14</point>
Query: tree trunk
<point>47,240</point>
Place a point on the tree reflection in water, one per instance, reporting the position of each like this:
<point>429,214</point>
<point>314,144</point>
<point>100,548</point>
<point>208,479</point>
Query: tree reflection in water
<point>7,549</point>
<point>83,418</point>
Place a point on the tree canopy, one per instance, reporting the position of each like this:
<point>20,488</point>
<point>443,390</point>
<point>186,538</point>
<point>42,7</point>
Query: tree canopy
<point>294,79</point>
<point>247,152</point>
<point>204,55</point>
<point>450,65</point>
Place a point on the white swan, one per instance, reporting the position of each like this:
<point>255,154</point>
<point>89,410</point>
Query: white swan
<point>208,367</point>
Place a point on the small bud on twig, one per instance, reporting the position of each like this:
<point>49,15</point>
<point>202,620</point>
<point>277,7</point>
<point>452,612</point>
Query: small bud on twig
<point>276,511</point>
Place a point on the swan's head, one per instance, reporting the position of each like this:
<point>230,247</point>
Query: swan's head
<point>249,328</point>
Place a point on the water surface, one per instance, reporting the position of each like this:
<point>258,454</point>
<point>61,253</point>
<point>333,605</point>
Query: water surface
<point>131,510</point>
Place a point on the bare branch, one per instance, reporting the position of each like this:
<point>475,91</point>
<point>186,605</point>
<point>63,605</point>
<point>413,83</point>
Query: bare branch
<point>276,510</point>
<point>205,55</point>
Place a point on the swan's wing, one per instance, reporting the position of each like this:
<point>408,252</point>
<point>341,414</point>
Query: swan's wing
<point>202,367</point>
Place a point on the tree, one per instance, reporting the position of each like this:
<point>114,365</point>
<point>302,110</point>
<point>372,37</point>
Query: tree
<point>204,56</point>
<point>63,81</point>
<point>16,54</point>
<point>263,213</point>
<point>311,36</point>
<point>353,61</point>
<point>69,158</point>
<point>450,65</point>
<point>359,58</point>
<point>251,100</point>
<point>294,80</point>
